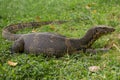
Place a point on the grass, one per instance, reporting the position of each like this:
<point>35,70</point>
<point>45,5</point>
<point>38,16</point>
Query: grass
<point>69,67</point>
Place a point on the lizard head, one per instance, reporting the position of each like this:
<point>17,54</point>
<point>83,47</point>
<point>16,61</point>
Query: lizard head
<point>95,33</point>
<point>102,30</point>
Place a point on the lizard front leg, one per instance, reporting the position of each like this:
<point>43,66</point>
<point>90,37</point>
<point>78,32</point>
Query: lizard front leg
<point>18,46</point>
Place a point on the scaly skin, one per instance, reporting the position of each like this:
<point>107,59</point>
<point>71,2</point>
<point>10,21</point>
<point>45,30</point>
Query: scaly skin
<point>52,44</point>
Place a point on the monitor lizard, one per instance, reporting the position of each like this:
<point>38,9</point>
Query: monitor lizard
<point>51,44</point>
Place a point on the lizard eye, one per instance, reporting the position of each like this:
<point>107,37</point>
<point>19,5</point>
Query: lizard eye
<point>96,30</point>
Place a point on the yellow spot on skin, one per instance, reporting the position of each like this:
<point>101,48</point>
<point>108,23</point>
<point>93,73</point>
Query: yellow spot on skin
<point>15,27</point>
<point>31,48</point>
<point>50,51</point>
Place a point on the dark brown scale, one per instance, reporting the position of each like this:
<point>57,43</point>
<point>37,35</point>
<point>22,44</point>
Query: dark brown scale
<point>51,44</point>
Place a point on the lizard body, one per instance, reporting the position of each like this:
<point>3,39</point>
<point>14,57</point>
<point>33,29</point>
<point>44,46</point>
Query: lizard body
<point>50,43</point>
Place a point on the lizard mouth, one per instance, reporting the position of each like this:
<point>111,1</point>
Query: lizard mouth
<point>110,30</point>
<point>102,29</point>
<point>106,30</point>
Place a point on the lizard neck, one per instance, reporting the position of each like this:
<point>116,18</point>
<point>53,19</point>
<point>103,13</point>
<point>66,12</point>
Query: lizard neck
<point>85,42</point>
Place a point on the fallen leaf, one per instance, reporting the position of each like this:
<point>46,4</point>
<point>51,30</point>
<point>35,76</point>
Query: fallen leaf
<point>109,44</point>
<point>34,30</point>
<point>118,36</point>
<point>37,18</point>
<point>52,27</point>
<point>116,47</point>
<point>94,11</point>
<point>12,63</point>
<point>94,68</point>
<point>87,7</point>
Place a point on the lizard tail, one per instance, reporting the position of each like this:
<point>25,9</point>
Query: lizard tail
<point>8,32</point>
